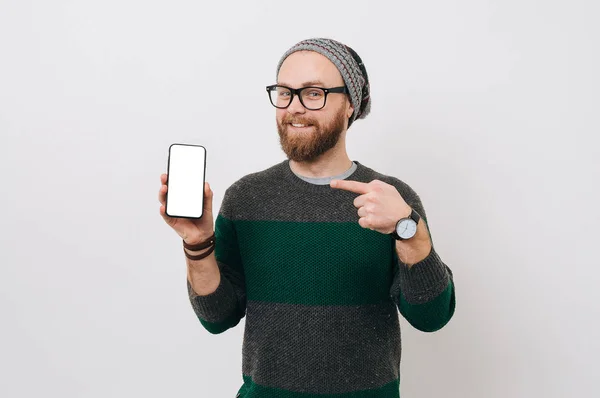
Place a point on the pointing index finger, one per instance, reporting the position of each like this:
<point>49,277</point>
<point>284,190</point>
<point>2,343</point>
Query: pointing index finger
<point>352,186</point>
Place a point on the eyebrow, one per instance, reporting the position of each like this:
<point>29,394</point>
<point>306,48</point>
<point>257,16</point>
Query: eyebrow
<point>307,84</point>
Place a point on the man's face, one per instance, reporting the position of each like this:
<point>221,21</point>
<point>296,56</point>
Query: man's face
<point>321,129</point>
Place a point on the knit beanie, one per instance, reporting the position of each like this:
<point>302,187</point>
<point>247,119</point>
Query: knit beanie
<point>350,66</point>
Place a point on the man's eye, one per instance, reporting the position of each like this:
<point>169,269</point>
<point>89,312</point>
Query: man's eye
<point>315,94</point>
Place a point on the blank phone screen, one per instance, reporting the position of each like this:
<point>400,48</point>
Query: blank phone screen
<point>185,181</point>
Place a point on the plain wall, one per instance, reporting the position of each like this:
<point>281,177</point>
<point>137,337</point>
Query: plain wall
<point>488,109</point>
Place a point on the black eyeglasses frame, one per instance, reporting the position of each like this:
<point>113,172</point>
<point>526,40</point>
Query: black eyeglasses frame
<point>298,91</point>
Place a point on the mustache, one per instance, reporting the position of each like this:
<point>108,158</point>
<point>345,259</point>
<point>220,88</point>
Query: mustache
<point>287,120</point>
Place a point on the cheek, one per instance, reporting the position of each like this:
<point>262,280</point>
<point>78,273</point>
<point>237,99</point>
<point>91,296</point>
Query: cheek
<point>326,119</point>
<point>280,115</point>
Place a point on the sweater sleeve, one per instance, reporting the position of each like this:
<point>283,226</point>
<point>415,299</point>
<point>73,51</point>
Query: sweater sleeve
<point>424,293</point>
<point>226,306</point>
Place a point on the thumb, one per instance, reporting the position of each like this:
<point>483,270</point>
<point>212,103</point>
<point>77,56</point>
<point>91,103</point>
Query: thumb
<point>208,198</point>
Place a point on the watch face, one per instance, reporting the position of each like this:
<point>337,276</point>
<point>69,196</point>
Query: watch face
<point>406,228</point>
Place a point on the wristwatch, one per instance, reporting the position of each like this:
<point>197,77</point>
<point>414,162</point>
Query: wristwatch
<point>406,228</point>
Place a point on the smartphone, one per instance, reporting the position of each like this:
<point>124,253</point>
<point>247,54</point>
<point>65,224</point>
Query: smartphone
<point>186,170</point>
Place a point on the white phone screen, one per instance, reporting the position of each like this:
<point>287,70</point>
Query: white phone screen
<point>185,181</point>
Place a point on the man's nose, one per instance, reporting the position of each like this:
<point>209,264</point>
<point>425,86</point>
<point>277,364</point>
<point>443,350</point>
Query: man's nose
<point>296,106</point>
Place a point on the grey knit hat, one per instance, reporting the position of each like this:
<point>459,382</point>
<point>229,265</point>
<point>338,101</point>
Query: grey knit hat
<point>350,66</point>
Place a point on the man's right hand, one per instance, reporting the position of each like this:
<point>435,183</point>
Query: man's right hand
<point>192,231</point>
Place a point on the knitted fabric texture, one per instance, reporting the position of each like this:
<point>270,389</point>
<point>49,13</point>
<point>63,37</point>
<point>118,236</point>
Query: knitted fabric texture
<point>350,67</point>
<point>320,294</point>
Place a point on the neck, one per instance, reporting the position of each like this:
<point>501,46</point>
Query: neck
<point>331,163</point>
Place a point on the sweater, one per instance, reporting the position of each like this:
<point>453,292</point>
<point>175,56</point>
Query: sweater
<point>321,295</point>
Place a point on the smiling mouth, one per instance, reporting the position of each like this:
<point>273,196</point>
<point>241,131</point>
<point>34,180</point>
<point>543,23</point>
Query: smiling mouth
<point>300,125</point>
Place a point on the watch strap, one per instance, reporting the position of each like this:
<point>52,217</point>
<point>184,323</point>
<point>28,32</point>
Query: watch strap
<point>415,216</point>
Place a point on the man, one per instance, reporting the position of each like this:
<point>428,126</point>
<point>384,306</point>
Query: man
<point>318,252</point>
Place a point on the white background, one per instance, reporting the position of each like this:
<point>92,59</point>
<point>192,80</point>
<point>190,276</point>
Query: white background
<point>488,109</point>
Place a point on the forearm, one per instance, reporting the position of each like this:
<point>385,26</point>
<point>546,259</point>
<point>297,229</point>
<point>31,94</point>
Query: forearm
<point>204,275</point>
<point>422,274</point>
<point>417,248</point>
<point>425,292</point>
<point>213,299</point>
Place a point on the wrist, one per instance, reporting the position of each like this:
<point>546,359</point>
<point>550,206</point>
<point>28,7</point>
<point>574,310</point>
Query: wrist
<point>206,247</point>
<point>198,239</point>
<point>416,249</point>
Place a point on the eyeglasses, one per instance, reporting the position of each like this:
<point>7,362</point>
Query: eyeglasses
<point>312,98</point>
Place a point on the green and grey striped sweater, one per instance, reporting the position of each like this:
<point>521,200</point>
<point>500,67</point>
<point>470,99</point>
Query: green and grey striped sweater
<point>320,293</point>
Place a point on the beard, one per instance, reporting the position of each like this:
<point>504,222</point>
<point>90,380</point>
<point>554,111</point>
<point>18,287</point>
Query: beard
<point>306,147</point>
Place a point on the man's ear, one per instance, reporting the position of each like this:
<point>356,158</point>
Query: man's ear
<point>350,110</point>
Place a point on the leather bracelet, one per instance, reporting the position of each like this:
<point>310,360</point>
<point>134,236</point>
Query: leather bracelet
<point>202,245</point>
<point>199,256</point>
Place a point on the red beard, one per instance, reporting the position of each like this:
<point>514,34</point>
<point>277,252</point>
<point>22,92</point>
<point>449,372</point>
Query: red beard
<point>307,146</point>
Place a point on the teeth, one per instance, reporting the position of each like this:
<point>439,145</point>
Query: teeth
<point>298,125</point>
